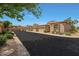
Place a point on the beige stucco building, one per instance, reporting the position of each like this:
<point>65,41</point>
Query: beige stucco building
<point>50,27</point>
<point>59,27</point>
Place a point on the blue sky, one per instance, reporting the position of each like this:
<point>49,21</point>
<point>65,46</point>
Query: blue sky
<point>50,12</point>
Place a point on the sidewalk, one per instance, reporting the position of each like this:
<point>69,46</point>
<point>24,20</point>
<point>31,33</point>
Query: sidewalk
<point>21,50</point>
<point>73,36</point>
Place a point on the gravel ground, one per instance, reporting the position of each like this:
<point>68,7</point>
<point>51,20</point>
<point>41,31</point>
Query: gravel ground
<point>9,49</point>
<point>46,45</point>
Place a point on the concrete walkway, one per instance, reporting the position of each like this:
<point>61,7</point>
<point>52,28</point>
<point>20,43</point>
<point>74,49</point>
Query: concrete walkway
<point>72,36</point>
<point>21,50</point>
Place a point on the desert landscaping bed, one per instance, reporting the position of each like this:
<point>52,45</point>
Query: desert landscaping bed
<point>9,48</point>
<point>13,47</point>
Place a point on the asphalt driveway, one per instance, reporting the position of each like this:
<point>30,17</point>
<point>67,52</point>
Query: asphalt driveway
<point>46,45</point>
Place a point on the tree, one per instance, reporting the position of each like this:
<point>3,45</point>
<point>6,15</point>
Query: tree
<point>15,10</point>
<point>72,23</point>
<point>6,24</point>
<point>69,20</point>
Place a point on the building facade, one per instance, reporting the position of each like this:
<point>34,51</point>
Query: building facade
<point>50,27</point>
<point>59,27</point>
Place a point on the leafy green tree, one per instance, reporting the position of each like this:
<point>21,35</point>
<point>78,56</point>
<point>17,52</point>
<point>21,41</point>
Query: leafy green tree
<point>6,24</point>
<point>72,23</point>
<point>69,20</point>
<point>16,10</point>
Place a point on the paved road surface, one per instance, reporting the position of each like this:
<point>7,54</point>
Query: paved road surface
<point>46,45</point>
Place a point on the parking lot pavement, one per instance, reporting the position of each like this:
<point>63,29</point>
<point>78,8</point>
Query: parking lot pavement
<point>46,45</point>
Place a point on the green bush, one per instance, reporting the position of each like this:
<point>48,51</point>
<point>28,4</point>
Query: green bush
<point>5,31</point>
<point>57,32</point>
<point>61,33</point>
<point>10,33</point>
<point>4,36</point>
<point>53,32</point>
<point>9,36</point>
<point>67,33</point>
<point>46,31</point>
<point>73,30</point>
<point>3,40</point>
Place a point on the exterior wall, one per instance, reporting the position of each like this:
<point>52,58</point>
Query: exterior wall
<point>62,30</point>
<point>34,30</point>
<point>30,28</point>
<point>47,28</point>
<point>67,27</point>
<point>37,29</point>
<point>41,30</point>
<point>51,28</point>
<point>63,27</point>
<point>57,28</point>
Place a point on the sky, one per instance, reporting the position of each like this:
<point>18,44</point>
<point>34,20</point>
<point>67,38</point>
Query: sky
<point>50,12</point>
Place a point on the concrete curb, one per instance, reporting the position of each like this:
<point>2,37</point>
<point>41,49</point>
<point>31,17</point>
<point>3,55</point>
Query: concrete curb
<point>55,34</point>
<point>21,50</point>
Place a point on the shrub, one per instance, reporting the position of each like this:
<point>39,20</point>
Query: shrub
<point>61,33</point>
<point>9,36</point>
<point>53,32</point>
<point>10,33</point>
<point>46,31</point>
<point>5,31</point>
<point>57,32</point>
<point>74,31</point>
<point>67,33</point>
<point>3,40</point>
